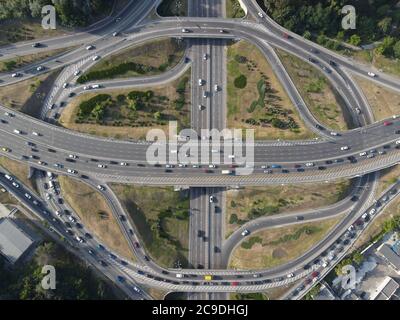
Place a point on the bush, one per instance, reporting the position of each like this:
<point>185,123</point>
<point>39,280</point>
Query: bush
<point>241,82</point>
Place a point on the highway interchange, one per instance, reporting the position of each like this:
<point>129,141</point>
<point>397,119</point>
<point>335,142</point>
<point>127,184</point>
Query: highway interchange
<point>54,145</point>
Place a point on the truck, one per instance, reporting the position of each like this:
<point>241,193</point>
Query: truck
<point>208,277</point>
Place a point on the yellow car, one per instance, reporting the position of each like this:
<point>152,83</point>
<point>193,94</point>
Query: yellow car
<point>208,277</point>
<point>5,149</point>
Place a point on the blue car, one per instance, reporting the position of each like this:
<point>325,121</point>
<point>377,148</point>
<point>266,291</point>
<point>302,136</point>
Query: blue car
<point>121,279</point>
<point>276,166</point>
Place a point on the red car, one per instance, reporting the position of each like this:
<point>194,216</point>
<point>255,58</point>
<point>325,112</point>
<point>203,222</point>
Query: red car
<point>234,284</point>
<point>286,36</point>
<point>387,123</point>
<point>315,274</point>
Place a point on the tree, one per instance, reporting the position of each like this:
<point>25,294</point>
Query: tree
<point>396,50</point>
<point>386,47</point>
<point>355,40</point>
<point>385,24</point>
<point>307,35</point>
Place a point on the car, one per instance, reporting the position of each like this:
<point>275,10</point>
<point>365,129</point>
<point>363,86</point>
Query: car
<point>124,164</point>
<point>222,31</point>
<point>185,30</point>
<point>245,233</point>
<point>299,218</point>
<point>344,148</point>
<point>90,47</point>
<point>40,68</point>
<point>362,154</point>
<point>205,94</point>
<point>212,199</point>
<point>387,123</point>
<point>309,164</point>
<point>200,82</point>
<point>72,171</point>
<point>115,34</point>
<point>79,239</point>
<point>16,185</point>
<point>205,56</point>
<point>95,58</point>
<point>201,107</point>
<point>334,133</point>
<point>216,88</point>
<point>28,196</point>
<point>371,74</point>
<point>101,188</point>
<point>103,166</point>
<point>35,133</point>
<point>65,85</point>
<point>290,275</point>
<point>17,131</point>
<point>77,72</point>
<point>36,45</point>
<point>16,75</point>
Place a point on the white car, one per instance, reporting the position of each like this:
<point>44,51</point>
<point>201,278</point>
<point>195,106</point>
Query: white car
<point>211,166</point>
<point>70,218</point>
<point>40,68</point>
<point>16,75</point>
<point>71,171</point>
<point>77,72</point>
<point>179,275</point>
<point>205,56</point>
<point>87,87</point>
<point>211,199</point>
<point>365,215</point>
<point>16,185</point>
<point>103,166</point>
<point>205,94</point>
<point>290,275</point>
<point>398,142</point>
<point>79,239</point>
<point>201,107</point>
<point>58,213</point>
<point>216,88</point>
<point>35,133</point>
<point>334,134</point>
<point>200,82</point>
<point>28,196</point>
<point>90,47</point>
<point>309,164</point>
<point>17,131</point>
<point>362,154</point>
<point>372,212</point>
<point>185,30</point>
<point>115,34</point>
<point>100,187</point>
<point>344,148</point>
<point>260,15</point>
<point>65,85</point>
<point>371,74</point>
<point>245,232</point>
<point>123,164</point>
<point>95,58</point>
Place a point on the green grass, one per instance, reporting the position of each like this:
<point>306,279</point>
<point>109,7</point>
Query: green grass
<point>234,10</point>
<point>162,218</point>
<point>169,8</point>
<point>151,58</point>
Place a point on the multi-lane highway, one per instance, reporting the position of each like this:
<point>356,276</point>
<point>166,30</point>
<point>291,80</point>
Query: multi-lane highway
<point>98,161</point>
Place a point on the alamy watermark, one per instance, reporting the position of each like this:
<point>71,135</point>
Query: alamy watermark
<point>349,20</point>
<point>49,280</point>
<point>49,20</point>
<point>215,148</point>
<point>349,277</point>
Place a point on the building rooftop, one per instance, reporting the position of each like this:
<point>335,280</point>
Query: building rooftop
<point>391,256</point>
<point>386,290</point>
<point>13,241</point>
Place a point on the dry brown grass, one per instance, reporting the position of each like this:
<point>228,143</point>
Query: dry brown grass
<point>239,100</point>
<point>15,96</point>
<point>16,31</point>
<point>19,170</point>
<point>285,199</point>
<point>387,177</point>
<point>32,58</point>
<point>267,255</point>
<point>323,104</point>
<point>384,102</point>
<point>69,115</point>
<point>95,213</point>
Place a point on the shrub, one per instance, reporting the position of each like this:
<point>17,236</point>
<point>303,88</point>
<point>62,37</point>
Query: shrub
<point>240,82</point>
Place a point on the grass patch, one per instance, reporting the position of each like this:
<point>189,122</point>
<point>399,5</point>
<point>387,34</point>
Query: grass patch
<point>21,61</point>
<point>26,30</point>
<point>234,10</point>
<point>18,170</point>
<point>169,8</point>
<point>316,91</point>
<point>256,98</point>
<point>253,202</point>
<point>162,218</point>
<point>95,213</point>
<point>280,245</point>
<point>130,114</point>
<point>151,58</point>
<point>383,101</point>
<point>249,296</point>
